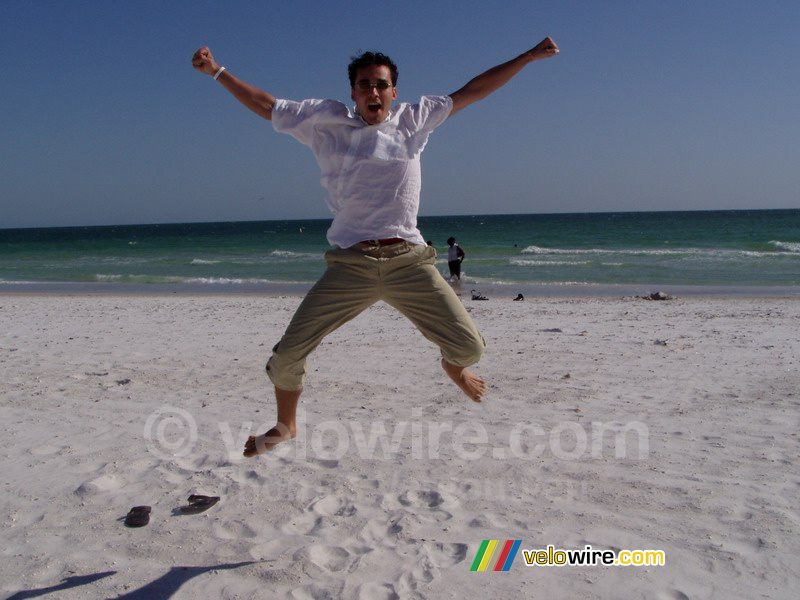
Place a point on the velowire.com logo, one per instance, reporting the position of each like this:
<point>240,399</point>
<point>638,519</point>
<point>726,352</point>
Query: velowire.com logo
<point>496,555</point>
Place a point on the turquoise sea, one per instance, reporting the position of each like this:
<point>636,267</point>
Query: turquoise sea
<point>647,251</point>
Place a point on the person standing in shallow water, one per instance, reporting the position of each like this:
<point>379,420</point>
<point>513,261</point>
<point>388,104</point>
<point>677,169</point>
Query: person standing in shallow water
<point>370,162</point>
<point>455,256</point>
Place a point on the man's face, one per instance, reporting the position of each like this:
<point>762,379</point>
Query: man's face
<point>372,102</point>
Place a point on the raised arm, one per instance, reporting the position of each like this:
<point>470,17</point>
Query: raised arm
<point>259,101</point>
<point>496,77</point>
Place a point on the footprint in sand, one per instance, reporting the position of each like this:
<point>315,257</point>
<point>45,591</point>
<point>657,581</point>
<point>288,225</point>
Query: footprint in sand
<point>445,555</point>
<point>234,530</point>
<point>431,559</point>
<point>333,506</point>
<point>378,531</point>
<point>422,574</point>
<point>425,504</point>
<point>327,558</point>
<point>306,524</point>
<point>421,498</point>
<point>316,591</point>
<point>377,591</point>
<point>491,521</point>
<point>100,485</point>
<point>46,450</point>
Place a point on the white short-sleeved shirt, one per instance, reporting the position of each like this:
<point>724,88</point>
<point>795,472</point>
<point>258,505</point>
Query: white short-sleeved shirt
<point>371,172</point>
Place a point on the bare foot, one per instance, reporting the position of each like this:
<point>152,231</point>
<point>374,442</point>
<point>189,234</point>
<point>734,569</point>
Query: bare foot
<point>472,385</point>
<point>259,444</point>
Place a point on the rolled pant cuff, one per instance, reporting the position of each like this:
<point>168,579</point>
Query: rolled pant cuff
<point>289,384</point>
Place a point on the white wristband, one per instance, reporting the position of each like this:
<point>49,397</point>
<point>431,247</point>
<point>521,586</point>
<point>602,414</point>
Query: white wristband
<point>218,73</point>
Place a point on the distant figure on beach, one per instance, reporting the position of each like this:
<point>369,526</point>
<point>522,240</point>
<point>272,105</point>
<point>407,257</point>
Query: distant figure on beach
<point>476,295</point>
<point>519,297</point>
<point>455,256</point>
<point>370,161</point>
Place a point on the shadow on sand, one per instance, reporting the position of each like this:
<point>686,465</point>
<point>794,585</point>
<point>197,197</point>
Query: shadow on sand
<point>160,589</point>
<point>68,583</point>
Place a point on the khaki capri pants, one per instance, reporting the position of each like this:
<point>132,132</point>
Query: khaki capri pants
<point>404,276</point>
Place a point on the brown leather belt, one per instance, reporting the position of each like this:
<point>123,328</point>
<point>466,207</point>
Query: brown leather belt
<point>386,242</point>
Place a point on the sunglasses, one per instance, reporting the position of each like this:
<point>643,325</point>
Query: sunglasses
<point>366,84</point>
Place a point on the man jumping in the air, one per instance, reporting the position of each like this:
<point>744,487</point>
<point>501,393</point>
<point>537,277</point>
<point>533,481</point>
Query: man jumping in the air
<point>370,163</point>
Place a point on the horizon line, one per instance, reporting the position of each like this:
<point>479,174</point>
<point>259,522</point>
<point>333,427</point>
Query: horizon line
<point>465,215</point>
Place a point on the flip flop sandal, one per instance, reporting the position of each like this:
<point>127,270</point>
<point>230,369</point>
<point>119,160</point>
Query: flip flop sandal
<point>138,516</point>
<point>198,503</point>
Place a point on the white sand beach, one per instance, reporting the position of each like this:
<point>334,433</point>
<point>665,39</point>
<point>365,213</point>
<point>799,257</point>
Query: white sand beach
<point>618,423</point>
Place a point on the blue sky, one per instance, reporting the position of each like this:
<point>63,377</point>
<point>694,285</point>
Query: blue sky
<point>651,105</point>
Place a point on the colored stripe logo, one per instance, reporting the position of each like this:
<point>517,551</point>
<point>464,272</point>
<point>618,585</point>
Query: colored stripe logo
<point>495,555</point>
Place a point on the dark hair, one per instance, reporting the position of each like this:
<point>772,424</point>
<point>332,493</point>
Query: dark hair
<point>367,59</point>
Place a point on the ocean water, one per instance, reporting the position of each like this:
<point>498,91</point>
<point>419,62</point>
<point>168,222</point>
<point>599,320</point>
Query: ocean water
<point>648,250</point>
